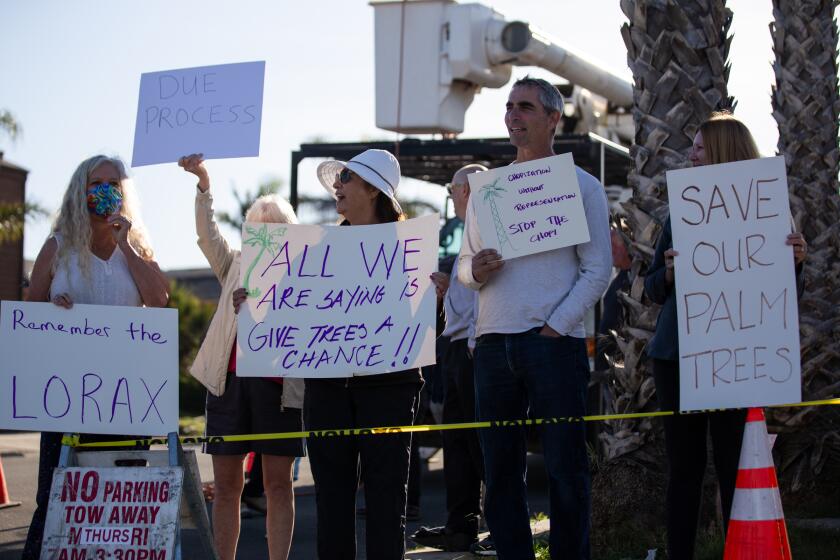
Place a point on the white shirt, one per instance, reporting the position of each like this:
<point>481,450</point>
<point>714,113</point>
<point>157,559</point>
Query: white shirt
<point>554,287</point>
<point>110,282</point>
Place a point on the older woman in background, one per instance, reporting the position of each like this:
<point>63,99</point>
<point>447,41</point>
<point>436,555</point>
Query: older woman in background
<point>243,405</point>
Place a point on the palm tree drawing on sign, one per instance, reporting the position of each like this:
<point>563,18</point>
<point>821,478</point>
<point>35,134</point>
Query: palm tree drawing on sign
<point>492,192</point>
<point>266,241</point>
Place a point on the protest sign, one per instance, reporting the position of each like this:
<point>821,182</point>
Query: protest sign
<point>529,207</point>
<point>98,369</point>
<point>735,285</point>
<point>215,110</point>
<point>337,301</point>
<point>117,513</point>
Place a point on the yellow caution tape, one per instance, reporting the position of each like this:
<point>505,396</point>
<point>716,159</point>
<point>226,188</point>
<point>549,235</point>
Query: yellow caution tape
<point>73,440</point>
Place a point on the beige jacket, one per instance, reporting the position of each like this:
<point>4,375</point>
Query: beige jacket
<point>210,365</point>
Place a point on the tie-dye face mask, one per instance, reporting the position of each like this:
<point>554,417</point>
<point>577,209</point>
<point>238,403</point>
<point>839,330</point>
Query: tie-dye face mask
<point>104,199</point>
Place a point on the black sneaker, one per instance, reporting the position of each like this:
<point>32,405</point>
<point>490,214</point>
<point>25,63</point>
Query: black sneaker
<point>443,539</point>
<point>484,547</point>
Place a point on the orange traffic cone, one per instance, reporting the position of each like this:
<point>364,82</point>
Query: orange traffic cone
<point>5,501</point>
<point>757,525</point>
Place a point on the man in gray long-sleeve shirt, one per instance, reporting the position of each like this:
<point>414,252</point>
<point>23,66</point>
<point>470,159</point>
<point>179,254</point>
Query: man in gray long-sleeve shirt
<point>463,469</point>
<point>530,356</point>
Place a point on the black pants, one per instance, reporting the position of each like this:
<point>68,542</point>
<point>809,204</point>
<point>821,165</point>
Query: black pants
<point>382,461</point>
<point>685,445</point>
<point>48,457</point>
<point>463,466</point>
<point>415,474</point>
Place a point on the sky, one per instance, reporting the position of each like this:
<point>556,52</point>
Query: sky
<point>70,74</point>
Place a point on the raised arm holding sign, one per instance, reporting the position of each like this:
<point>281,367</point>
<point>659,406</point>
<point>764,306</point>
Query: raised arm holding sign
<point>243,405</point>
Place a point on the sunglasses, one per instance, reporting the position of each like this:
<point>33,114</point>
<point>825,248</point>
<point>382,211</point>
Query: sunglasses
<point>345,176</point>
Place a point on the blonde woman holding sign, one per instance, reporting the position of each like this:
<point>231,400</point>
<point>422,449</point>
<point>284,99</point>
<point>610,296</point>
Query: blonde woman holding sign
<point>243,405</point>
<point>98,253</point>
<point>721,139</point>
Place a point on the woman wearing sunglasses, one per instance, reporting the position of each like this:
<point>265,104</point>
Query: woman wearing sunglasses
<point>364,190</point>
<point>98,253</point>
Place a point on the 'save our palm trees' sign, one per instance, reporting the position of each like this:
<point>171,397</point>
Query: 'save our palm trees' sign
<point>735,285</point>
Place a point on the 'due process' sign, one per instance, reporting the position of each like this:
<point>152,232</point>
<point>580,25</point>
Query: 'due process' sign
<point>530,207</point>
<point>96,369</point>
<point>331,301</point>
<point>215,110</point>
<point>735,285</point>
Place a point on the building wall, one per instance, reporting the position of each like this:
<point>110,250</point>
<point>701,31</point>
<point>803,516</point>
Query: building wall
<point>12,191</point>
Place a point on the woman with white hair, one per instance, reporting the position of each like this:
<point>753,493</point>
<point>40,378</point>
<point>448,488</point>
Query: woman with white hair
<point>243,405</point>
<point>98,253</point>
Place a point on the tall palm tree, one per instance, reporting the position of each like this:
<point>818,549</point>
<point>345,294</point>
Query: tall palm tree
<point>806,106</point>
<point>9,124</point>
<point>677,50</point>
<point>13,218</point>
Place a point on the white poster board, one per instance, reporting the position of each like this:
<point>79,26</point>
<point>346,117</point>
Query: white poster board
<point>116,513</point>
<point>735,285</point>
<point>337,301</point>
<point>214,110</point>
<point>529,207</point>
<point>97,369</point>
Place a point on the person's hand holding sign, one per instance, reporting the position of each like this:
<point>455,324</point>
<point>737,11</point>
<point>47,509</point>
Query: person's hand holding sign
<point>194,163</point>
<point>800,247</point>
<point>239,297</point>
<point>485,263</point>
<point>441,282</point>
<point>669,265</point>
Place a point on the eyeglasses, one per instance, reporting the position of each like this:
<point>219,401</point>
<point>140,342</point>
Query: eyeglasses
<point>345,176</point>
<point>451,187</point>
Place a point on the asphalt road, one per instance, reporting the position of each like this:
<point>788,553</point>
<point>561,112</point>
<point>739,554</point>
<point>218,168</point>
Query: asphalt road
<point>19,456</point>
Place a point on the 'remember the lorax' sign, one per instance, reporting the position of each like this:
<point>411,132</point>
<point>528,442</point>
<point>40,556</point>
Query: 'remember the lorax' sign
<point>735,285</point>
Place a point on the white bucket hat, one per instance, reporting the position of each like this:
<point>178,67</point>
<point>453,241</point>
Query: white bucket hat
<point>379,168</point>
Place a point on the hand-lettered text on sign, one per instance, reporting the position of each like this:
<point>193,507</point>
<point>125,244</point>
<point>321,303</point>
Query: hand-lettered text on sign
<point>530,207</point>
<point>337,301</point>
<point>91,369</point>
<point>215,110</point>
<point>735,285</point>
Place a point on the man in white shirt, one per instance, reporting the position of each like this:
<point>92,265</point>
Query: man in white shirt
<point>463,468</point>
<point>530,355</point>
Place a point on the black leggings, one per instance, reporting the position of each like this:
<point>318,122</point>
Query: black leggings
<point>685,445</point>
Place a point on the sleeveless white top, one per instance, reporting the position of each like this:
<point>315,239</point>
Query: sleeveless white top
<point>110,282</point>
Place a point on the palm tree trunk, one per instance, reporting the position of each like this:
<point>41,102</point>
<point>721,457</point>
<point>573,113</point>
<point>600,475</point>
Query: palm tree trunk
<point>677,50</point>
<point>806,106</point>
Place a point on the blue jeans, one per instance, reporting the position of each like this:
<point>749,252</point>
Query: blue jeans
<point>526,375</point>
